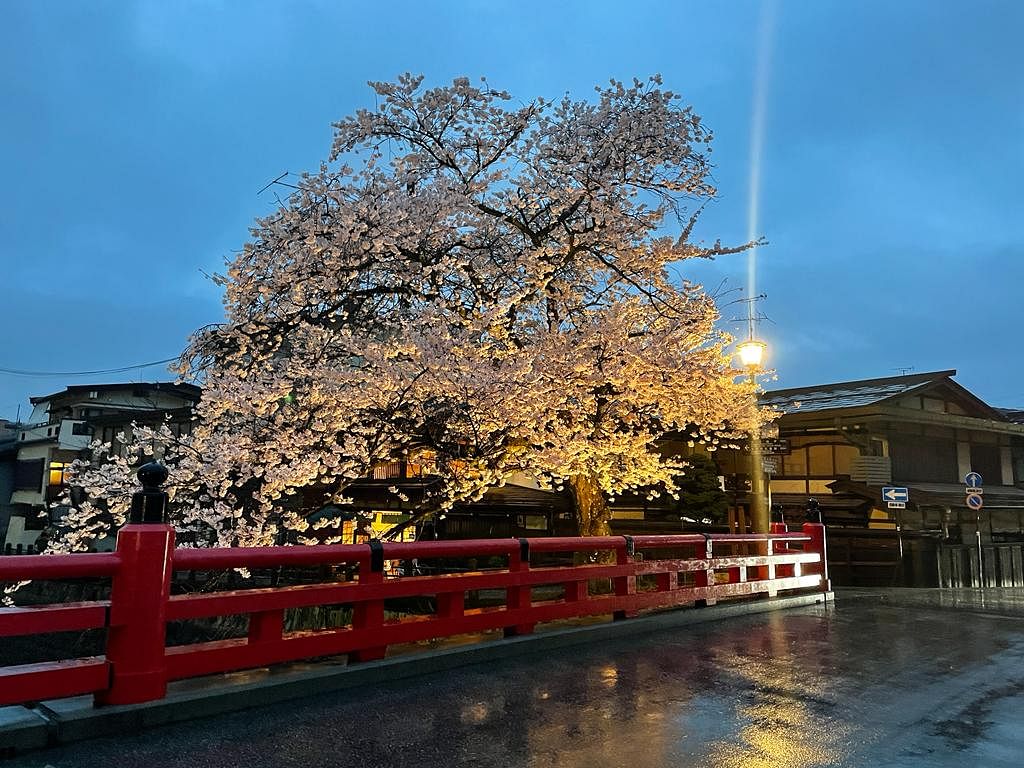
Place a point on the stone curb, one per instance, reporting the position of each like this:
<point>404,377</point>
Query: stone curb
<point>60,721</point>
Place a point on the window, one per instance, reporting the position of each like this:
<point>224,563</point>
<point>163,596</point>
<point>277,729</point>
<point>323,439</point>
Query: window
<point>57,473</point>
<point>845,456</point>
<point>81,428</point>
<point>820,460</point>
<point>926,459</point>
<point>93,394</point>
<point>28,475</point>
<point>794,464</point>
<point>985,460</point>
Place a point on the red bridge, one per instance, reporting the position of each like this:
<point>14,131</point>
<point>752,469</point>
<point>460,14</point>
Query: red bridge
<point>638,573</point>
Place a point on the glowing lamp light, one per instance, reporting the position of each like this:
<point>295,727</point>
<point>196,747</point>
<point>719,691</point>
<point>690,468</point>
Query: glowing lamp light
<point>751,352</point>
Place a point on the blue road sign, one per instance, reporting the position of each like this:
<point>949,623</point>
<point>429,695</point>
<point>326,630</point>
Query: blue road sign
<point>891,493</point>
<point>973,480</point>
<point>975,501</point>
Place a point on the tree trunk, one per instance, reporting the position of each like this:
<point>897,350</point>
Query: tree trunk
<point>590,508</point>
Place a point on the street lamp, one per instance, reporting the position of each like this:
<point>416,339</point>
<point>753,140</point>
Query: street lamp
<point>751,354</point>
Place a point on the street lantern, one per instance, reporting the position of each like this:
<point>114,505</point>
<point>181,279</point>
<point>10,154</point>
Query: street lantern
<point>751,352</point>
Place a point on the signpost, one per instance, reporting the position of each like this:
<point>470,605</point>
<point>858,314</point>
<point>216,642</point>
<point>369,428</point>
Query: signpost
<point>775,446</point>
<point>976,500</point>
<point>895,497</point>
<point>975,491</point>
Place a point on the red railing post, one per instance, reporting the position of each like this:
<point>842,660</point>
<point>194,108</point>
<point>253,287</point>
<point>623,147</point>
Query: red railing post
<point>138,605</point>
<point>139,591</point>
<point>781,571</point>
<point>816,532</point>
<point>624,585</point>
<point>451,605</point>
<point>576,591</point>
<point>519,598</point>
<point>769,570</point>
<point>266,626</point>
<point>368,615</point>
<point>705,577</point>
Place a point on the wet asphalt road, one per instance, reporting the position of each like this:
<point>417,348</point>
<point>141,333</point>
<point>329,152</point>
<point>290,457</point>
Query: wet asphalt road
<point>883,679</point>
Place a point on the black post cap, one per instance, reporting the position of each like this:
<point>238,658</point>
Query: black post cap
<point>150,504</point>
<point>152,475</point>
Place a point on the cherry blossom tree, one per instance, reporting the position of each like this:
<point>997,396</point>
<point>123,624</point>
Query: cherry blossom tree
<point>485,286</point>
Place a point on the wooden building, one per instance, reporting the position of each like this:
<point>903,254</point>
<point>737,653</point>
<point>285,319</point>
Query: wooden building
<point>842,443</point>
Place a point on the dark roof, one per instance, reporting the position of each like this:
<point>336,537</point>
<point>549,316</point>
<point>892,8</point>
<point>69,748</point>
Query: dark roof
<point>848,394</point>
<point>1016,415</point>
<point>852,394</point>
<point>190,391</point>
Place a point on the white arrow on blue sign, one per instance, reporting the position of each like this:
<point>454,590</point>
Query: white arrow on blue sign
<point>975,501</point>
<point>973,480</point>
<point>891,493</point>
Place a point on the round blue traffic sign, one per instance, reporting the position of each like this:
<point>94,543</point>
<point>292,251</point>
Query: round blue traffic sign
<point>973,480</point>
<point>975,501</point>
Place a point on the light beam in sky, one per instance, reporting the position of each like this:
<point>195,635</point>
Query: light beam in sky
<point>762,73</point>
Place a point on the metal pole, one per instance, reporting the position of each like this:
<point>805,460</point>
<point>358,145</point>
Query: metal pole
<point>981,567</point>
<point>759,522</point>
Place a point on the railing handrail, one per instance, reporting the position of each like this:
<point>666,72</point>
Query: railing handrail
<point>751,538</point>
<point>58,566</point>
<point>410,550</point>
<point>102,564</point>
<point>219,558</point>
<point>577,543</point>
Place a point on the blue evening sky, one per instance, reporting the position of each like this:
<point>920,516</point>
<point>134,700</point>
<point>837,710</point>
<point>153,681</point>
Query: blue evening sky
<point>134,137</point>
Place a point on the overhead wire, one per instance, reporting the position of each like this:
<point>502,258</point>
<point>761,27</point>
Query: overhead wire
<point>122,369</point>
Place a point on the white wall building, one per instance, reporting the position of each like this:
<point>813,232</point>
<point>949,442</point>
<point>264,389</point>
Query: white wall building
<point>62,426</point>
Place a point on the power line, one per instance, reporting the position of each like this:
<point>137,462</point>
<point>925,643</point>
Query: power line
<point>123,369</point>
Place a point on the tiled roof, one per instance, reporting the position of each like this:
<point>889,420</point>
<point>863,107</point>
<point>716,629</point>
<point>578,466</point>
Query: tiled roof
<point>1016,415</point>
<point>190,391</point>
<point>848,394</point>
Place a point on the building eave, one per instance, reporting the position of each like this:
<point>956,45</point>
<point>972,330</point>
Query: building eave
<point>836,417</point>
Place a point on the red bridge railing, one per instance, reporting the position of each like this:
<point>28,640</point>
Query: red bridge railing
<point>639,573</point>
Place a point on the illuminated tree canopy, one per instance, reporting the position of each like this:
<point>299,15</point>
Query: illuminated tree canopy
<point>485,286</point>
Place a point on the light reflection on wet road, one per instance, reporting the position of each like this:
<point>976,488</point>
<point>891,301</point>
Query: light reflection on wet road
<point>889,679</point>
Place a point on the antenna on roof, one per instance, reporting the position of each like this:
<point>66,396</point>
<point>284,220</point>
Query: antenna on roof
<point>752,317</point>
<point>904,371</point>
